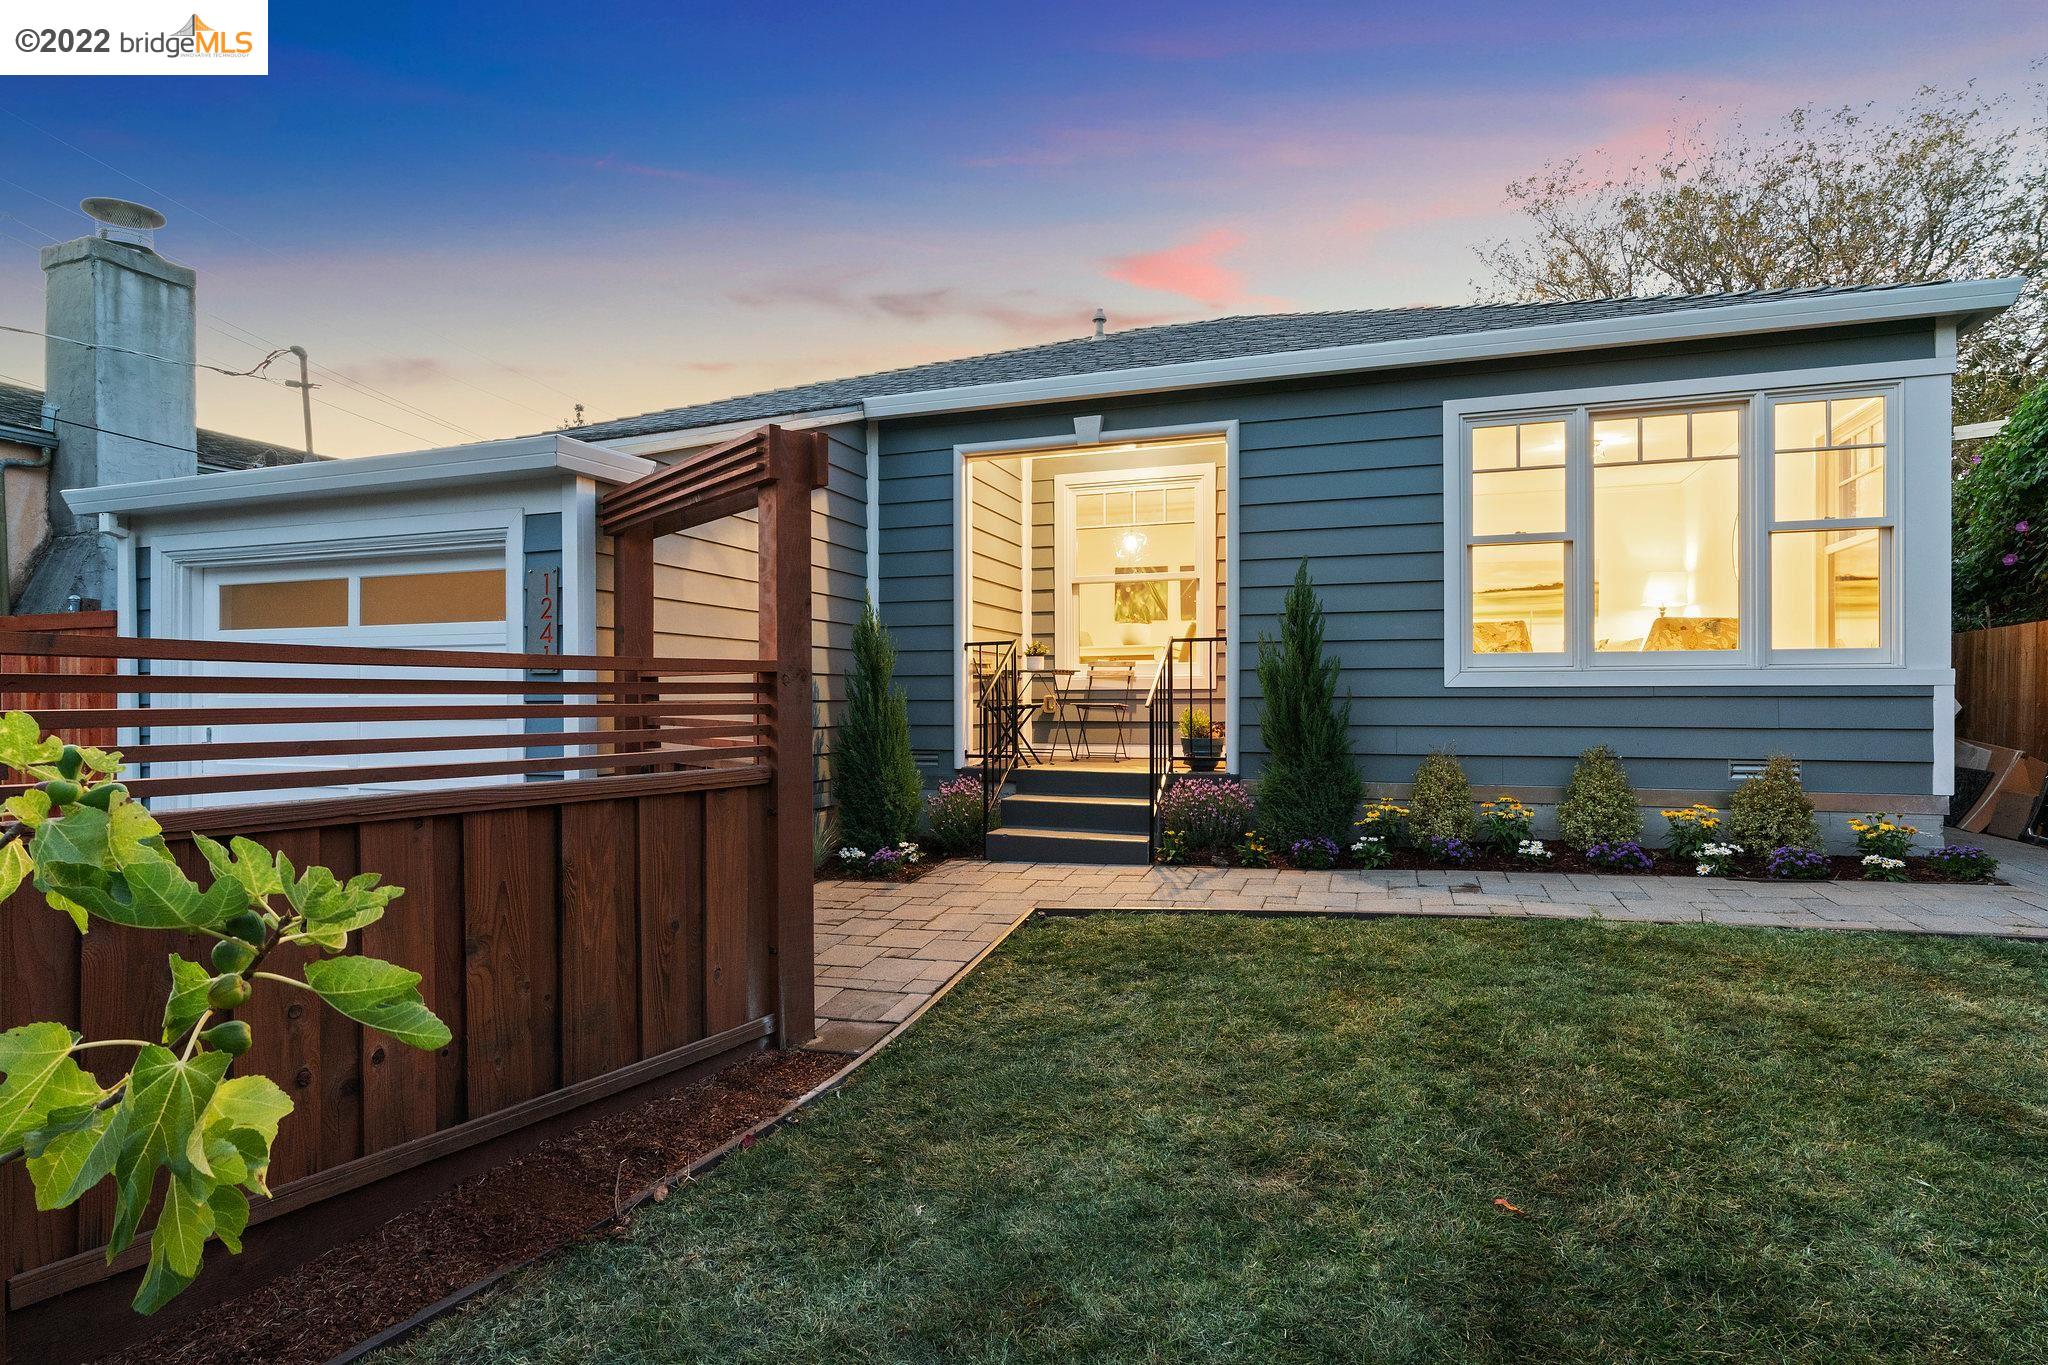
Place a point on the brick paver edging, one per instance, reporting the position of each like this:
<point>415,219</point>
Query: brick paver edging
<point>885,948</point>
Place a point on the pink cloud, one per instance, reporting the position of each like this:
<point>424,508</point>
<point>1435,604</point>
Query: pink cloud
<point>1194,270</point>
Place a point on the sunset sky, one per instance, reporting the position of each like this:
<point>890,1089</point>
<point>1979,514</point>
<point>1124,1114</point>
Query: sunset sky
<point>475,217</point>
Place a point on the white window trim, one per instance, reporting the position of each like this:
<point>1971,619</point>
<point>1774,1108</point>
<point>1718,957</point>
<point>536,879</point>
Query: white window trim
<point>1917,500</point>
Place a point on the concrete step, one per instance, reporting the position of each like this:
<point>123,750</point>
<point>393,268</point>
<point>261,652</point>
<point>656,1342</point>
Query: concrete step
<point>1100,814</point>
<point>1066,846</point>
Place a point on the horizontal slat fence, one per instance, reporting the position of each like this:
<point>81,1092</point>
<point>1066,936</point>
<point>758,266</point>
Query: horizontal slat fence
<point>582,936</point>
<point>2002,686</point>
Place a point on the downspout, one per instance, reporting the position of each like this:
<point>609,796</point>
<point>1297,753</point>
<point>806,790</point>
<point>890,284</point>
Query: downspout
<point>8,462</point>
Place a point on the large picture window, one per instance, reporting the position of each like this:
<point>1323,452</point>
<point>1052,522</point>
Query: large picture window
<point>1726,532</point>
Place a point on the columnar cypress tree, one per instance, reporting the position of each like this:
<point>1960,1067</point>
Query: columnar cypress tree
<point>873,774</point>
<point>1310,785</point>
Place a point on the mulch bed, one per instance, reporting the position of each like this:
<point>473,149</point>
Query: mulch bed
<point>547,1198</point>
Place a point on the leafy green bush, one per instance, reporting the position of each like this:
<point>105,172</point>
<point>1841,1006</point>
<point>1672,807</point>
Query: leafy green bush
<point>874,776</point>
<point>176,1113</point>
<point>1440,803</point>
<point>2001,523</point>
<point>1599,806</point>
<point>1771,811</point>
<point>1310,787</point>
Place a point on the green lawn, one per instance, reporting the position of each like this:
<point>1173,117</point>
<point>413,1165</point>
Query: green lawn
<point>1191,1138</point>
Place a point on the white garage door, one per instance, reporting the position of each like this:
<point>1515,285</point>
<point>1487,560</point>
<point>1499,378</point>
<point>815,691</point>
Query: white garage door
<point>439,601</point>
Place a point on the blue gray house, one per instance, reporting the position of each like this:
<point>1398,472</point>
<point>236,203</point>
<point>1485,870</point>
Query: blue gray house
<point>1701,530</point>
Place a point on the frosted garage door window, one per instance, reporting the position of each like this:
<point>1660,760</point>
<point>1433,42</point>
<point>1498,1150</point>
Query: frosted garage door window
<point>410,599</point>
<point>288,604</point>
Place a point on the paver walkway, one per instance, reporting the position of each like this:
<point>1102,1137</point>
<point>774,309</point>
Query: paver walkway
<point>885,947</point>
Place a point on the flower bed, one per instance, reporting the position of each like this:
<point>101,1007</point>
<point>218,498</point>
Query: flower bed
<point>1556,857</point>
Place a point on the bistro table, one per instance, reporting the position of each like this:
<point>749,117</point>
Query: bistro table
<point>1028,707</point>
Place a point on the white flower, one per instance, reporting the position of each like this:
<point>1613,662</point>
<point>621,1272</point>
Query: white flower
<point>1879,860</point>
<point>851,855</point>
<point>1532,848</point>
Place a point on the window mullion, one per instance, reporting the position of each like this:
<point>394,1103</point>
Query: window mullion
<point>1578,534</point>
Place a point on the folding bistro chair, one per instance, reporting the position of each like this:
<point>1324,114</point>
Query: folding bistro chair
<point>1095,696</point>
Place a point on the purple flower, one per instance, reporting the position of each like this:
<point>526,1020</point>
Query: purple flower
<point>1621,855</point>
<point>2022,527</point>
<point>1796,864</point>
<point>1448,848</point>
<point>2010,560</point>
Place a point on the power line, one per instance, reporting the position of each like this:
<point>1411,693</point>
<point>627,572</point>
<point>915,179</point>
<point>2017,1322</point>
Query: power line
<point>267,248</point>
<point>254,372</point>
<point>323,402</point>
<point>249,337</point>
<point>366,390</point>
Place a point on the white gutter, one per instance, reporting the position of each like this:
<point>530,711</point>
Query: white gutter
<point>465,464</point>
<point>689,438</point>
<point>1977,431</point>
<point>1966,301</point>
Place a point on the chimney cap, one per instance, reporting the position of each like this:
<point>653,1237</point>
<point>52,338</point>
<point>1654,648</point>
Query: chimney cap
<point>1101,323</point>
<point>123,220</point>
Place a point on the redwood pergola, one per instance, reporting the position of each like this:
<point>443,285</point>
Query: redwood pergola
<point>774,470</point>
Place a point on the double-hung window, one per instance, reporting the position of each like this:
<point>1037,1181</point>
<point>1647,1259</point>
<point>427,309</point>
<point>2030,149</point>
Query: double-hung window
<point>1746,531</point>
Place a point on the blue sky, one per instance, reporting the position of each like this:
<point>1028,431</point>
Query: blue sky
<point>474,217</point>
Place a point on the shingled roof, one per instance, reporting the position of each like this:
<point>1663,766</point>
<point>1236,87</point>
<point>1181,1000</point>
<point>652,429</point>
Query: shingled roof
<point>1175,343</point>
<point>218,451</point>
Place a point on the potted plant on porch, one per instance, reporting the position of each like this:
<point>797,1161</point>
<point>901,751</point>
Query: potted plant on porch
<point>1037,656</point>
<point>1201,741</point>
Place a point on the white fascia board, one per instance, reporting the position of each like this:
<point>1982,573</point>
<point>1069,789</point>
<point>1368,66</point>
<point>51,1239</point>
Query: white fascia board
<point>365,477</point>
<point>1964,301</point>
<point>691,438</point>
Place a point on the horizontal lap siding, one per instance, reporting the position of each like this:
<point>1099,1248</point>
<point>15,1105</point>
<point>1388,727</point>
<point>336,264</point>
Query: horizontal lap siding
<point>1349,473</point>
<point>706,587</point>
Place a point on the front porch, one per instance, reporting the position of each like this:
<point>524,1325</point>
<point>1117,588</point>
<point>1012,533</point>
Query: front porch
<point>1094,596</point>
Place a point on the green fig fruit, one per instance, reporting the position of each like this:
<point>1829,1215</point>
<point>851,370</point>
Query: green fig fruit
<point>232,957</point>
<point>70,761</point>
<point>227,991</point>
<point>247,926</point>
<point>62,791</point>
<point>231,1037</point>
<point>102,796</point>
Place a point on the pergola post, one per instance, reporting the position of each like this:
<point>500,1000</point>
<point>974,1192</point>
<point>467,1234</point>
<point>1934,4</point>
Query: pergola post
<point>795,463</point>
<point>774,471</point>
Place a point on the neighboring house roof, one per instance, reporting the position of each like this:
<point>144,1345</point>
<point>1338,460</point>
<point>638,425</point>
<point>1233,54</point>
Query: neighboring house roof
<point>218,451</point>
<point>1182,343</point>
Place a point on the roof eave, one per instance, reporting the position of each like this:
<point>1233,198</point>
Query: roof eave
<point>415,469</point>
<point>1956,303</point>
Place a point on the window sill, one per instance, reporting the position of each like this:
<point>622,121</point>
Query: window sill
<point>1707,679</point>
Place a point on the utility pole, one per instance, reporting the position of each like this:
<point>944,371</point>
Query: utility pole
<point>305,388</point>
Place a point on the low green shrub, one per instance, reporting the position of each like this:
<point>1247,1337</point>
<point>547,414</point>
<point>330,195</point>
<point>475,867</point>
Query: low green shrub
<point>1771,810</point>
<point>1440,804</point>
<point>1599,806</point>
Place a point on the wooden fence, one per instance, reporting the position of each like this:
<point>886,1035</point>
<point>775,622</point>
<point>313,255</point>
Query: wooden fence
<point>2002,686</point>
<point>593,898</point>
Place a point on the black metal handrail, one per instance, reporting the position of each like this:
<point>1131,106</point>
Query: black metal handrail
<point>992,669</point>
<point>1180,688</point>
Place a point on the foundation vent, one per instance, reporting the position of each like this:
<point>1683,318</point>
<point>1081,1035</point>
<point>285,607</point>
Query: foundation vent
<point>1743,769</point>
